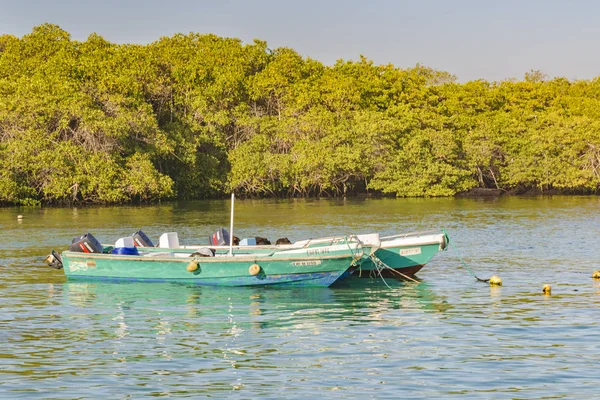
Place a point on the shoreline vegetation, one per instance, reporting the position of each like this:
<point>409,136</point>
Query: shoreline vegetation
<point>199,116</point>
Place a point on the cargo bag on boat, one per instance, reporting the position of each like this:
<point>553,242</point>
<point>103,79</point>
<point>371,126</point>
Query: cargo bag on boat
<point>203,252</point>
<point>125,246</point>
<point>86,244</point>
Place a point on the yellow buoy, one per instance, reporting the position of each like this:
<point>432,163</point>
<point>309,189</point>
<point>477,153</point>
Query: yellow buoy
<point>254,269</point>
<point>19,216</point>
<point>192,266</point>
<point>596,275</point>
<point>546,289</point>
<point>495,281</point>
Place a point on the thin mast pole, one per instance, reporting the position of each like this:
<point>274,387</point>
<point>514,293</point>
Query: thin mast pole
<point>231,227</point>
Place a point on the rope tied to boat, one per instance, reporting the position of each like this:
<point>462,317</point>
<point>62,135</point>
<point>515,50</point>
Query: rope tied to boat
<point>380,266</point>
<point>451,243</point>
<point>355,257</point>
<point>372,253</point>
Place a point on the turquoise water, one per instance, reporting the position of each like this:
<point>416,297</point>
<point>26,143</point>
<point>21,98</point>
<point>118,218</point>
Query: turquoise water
<point>448,336</point>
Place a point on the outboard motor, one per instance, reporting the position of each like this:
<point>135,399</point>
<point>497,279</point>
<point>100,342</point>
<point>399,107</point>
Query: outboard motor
<point>141,240</point>
<point>219,238</point>
<point>54,260</point>
<point>86,244</point>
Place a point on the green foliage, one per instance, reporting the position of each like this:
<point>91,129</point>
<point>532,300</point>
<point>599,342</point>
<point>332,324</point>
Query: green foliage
<point>427,164</point>
<point>199,115</point>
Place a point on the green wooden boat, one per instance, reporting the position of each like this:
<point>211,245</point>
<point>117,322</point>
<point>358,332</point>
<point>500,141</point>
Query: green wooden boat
<point>400,256</point>
<point>403,255</point>
<point>311,266</point>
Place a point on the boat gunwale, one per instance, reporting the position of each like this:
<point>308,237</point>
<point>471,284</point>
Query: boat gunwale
<point>397,243</point>
<point>299,245</point>
<point>430,232</point>
<point>332,240</point>
<point>251,258</point>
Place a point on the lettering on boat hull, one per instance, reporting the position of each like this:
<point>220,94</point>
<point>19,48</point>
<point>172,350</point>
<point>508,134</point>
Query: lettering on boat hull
<point>78,266</point>
<point>410,252</point>
<point>306,263</point>
<point>314,252</point>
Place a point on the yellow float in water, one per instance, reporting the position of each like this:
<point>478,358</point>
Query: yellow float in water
<point>193,266</point>
<point>596,275</point>
<point>495,281</point>
<point>546,289</point>
<point>254,269</point>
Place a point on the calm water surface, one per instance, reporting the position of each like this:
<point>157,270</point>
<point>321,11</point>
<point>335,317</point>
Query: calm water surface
<point>448,336</point>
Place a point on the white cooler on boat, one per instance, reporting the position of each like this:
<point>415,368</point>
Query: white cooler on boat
<point>169,240</point>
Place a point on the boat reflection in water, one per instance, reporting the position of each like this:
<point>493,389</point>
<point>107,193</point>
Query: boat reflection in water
<point>217,309</point>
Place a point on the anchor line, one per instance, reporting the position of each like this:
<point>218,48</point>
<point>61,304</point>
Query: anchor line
<point>451,243</point>
<point>378,268</point>
<point>355,258</point>
<point>359,258</point>
<point>377,261</point>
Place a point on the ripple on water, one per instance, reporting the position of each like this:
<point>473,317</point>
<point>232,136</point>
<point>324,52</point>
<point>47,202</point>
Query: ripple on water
<point>448,336</point>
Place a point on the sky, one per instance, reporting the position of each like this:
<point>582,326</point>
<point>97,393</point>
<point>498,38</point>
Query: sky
<point>472,39</point>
